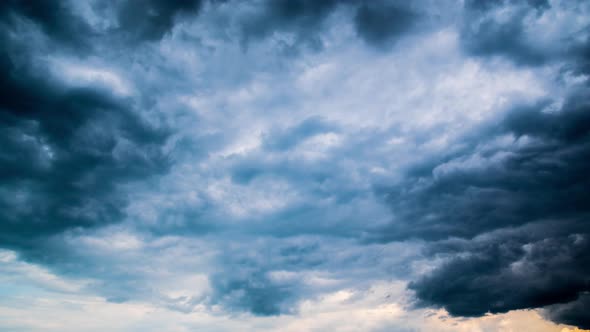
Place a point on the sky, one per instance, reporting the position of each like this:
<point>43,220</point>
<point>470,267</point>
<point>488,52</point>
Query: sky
<point>295,165</point>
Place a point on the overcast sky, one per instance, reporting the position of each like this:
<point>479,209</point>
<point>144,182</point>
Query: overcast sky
<point>294,165</point>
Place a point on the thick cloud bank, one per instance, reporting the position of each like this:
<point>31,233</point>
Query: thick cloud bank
<point>65,149</point>
<point>296,164</point>
<point>509,209</point>
<point>520,213</point>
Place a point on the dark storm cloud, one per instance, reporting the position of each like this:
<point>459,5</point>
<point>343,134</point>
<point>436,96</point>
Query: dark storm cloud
<point>302,17</point>
<point>65,150</point>
<point>489,188</point>
<point>525,206</point>
<point>379,23</point>
<point>54,18</point>
<point>516,31</point>
<point>573,313</point>
<point>290,137</point>
<point>511,221</point>
<point>484,34</point>
<point>511,270</point>
<point>535,194</point>
<point>136,19</point>
<point>151,19</point>
<point>270,276</point>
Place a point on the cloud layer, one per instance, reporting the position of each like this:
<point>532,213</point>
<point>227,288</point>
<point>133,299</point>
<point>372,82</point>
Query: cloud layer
<point>297,164</point>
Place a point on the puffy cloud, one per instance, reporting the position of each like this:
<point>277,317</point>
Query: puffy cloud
<point>381,23</point>
<point>54,18</point>
<point>295,165</point>
<point>521,209</point>
<point>527,32</point>
<point>66,148</point>
<point>150,20</point>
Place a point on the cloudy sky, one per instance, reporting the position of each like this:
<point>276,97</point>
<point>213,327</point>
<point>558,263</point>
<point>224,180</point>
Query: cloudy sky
<point>295,165</point>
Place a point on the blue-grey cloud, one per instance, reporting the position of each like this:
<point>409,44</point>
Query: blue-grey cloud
<point>261,176</point>
<point>380,23</point>
<point>539,189</point>
<point>511,30</point>
<point>65,149</point>
<point>150,20</point>
<point>54,18</point>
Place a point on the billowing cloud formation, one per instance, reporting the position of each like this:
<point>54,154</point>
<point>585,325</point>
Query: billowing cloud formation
<point>53,17</point>
<point>489,187</point>
<point>517,30</point>
<point>515,193</point>
<point>295,164</point>
<point>66,149</point>
<point>379,23</point>
<point>152,19</point>
<point>526,208</point>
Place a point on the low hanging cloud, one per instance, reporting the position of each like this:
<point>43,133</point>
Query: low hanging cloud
<point>511,219</point>
<point>507,210</point>
<point>151,20</point>
<point>66,149</point>
<point>379,23</point>
<point>247,159</point>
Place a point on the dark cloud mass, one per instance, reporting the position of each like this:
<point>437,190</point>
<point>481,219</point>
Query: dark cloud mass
<point>54,18</point>
<point>511,220</point>
<point>528,267</point>
<point>65,150</point>
<point>151,19</point>
<point>487,188</point>
<point>525,206</point>
<point>381,23</point>
<point>295,174</point>
<point>506,29</point>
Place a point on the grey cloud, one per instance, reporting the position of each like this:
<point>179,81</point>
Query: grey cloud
<point>540,185</point>
<point>290,137</point>
<point>510,270</point>
<point>66,150</point>
<point>482,190</point>
<point>302,17</point>
<point>572,313</point>
<point>503,28</point>
<point>54,18</point>
<point>135,20</point>
<point>380,23</point>
<point>151,19</point>
<point>489,37</point>
<point>510,221</point>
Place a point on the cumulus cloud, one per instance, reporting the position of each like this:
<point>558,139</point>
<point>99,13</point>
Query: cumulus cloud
<point>508,211</point>
<point>295,164</point>
<point>54,18</point>
<point>524,206</point>
<point>520,31</point>
<point>67,148</point>
<point>381,23</point>
<point>150,20</point>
